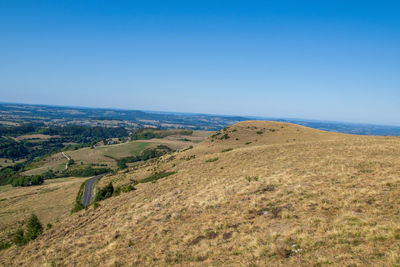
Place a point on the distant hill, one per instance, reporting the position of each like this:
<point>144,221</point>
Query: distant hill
<point>346,127</point>
<point>255,193</point>
<point>55,115</point>
<point>10,114</point>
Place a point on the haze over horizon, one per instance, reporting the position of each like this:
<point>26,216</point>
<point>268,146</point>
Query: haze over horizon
<point>336,61</point>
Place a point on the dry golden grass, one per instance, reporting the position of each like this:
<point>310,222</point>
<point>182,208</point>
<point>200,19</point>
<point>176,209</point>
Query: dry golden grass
<point>293,196</point>
<point>50,202</point>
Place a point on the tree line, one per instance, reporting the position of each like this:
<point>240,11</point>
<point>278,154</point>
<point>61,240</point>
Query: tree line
<point>148,153</point>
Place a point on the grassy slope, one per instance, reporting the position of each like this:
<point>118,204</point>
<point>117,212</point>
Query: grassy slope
<point>123,150</point>
<point>50,202</point>
<point>293,196</point>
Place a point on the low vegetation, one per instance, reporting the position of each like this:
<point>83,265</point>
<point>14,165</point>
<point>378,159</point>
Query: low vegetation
<point>78,205</point>
<point>105,192</point>
<point>28,181</point>
<point>33,229</point>
<point>84,172</point>
<point>212,160</point>
<point>128,188</point>
<point>147,134</point>
<point>156,176</point>
<point>148,153</point>
<point>5,245</point>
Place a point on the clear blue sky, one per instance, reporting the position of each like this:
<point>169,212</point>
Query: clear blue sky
<point>329,60</point>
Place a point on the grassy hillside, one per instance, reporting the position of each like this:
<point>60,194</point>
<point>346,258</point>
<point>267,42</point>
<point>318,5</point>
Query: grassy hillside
<point>50,202</point>
<point>254,194</point>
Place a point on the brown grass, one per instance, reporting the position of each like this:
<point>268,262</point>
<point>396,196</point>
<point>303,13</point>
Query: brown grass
<point>313,198</point>
<point>50,202</point>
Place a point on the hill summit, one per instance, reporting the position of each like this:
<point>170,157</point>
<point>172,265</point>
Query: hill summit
<point>253,194</point>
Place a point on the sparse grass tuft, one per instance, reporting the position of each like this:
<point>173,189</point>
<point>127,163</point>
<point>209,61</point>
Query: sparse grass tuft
<point>252,178</point>
<point>156,176</point>
<point>212,160</point>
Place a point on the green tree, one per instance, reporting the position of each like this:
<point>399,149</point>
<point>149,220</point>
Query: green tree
<point>34,228</point>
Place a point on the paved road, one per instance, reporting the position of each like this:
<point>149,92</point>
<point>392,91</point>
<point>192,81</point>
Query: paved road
<point>87,194</point>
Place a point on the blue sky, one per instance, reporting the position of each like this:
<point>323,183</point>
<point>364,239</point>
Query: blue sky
<point>328,60</point>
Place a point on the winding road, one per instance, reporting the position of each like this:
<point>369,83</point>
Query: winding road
<point>88,192</point>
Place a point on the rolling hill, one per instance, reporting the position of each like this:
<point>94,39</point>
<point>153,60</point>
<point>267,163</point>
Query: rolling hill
<point>253,194</point>
<point>107,155</point>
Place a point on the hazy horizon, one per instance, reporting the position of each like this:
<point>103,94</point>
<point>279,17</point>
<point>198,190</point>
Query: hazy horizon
<point>335,61</point>
<point>208,114</point>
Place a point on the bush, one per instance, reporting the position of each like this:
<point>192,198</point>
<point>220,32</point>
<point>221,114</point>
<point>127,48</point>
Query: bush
<point>225,136</point>
<point>212,160</point>
<point>19,238</point>
<point>33,229</point>
<point>105,192</point>
<point>117,191</point>
<point>128,188</point>
<point>227,150</point>
<point>156,176</point>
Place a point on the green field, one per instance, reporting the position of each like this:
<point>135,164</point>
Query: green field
<point>123,150</point>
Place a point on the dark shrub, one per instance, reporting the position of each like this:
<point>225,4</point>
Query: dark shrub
<point>33,228</point>
<point>105,192</point>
